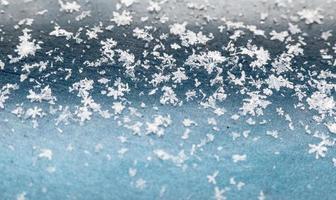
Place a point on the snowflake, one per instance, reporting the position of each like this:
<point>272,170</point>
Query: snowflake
<point>332,127</point>
<point>188,122</point>
<point>122,19</point>
<point>93,32</point>
<point>179,76</point>
<point>319,150</point>
<point>279,36</point>
<point>4,2</point>
<point>209,60</point>
<point>118,107</point>
<point>5,91</point>
<point>2,65</point>
<point>178,29</point>
<point>321,102</point>
<point>178,160</point>
<point>154,7</point>
<point>191,38</point>
<point>84,114</point>
<point>34,112</point>
<point>3,99</point>
<point>156,127</point>
<point>64,116</point>
<point>261,196</point>
<point>238,158</point>
<point>44,95</point>
<point>212,178</point>
<point>278,82</point>
<point>83,87</point>
<point>69,6</point>
<point>126,57</point>
<point>119,90</point>
<point>59,32</point>
<point>21,196</point>
<point>140,184</point>
<point>26,46</point>
<point>142,34</point>
<point>310,16</point>
<point>262,56</point>
<point>254,104</point>
<point>219,194</point>
<point>274,134</point>
<point>169,96</point>
<point>128,3</point>
<point>107,48</point>
<point>46,153</point>
<point>325,35</point>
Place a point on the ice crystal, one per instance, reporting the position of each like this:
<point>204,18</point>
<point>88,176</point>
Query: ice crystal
<point>122,19</point>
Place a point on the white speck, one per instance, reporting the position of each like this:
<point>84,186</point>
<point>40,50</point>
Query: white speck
<point>21,196</point>
<point>332,127</point>
<point>46,153</point>
<point>237,158</point>
<point>140,184</point>
<point>212,178</point>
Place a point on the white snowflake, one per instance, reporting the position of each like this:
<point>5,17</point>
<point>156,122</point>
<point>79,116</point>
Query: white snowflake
<point>310,16</point>
<point>69,6</point>
<point>169,96</point>
<point>321,102</point>
<point>254,104</point>
<point>219,194</point>
<point>319,150</point>
<point>34,112</point>
<point>128,3</point>
<point>46,153</point>
<point>118,107</point>
<point>122,19</point>
<point>262,55</point>
<point>107,48</point>
<point>237,158</point>
<point>44,95</point>
<point>27,46</point>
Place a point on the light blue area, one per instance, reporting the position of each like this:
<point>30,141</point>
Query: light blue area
<point>85,174</point>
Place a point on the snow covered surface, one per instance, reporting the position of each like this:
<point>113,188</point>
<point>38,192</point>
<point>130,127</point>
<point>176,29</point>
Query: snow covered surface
<point>167,99</point>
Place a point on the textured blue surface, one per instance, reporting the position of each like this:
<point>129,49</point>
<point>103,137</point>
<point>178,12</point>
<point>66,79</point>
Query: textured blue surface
<point>86,174</point>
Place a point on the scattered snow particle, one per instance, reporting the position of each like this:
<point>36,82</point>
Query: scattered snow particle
<point>128,3</point>
<point>140,184</point>
<point>2,65</point>
<point>219,194</point>
<point>212,178</point>
<point>46,153</point>
<point>332,127</point>
<point>237,158</point>
<point>177,160</point>
<point>261,196</point>
<point>21,196</point>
